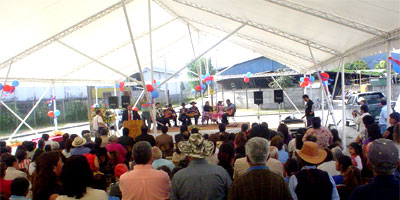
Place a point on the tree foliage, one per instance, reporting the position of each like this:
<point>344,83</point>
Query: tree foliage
<point>194,68</point>
<point>380,65</point>
<point>357,65</point>
<point>284,81</point>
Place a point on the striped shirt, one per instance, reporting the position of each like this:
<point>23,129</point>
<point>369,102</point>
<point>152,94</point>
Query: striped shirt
<point>24,164</point>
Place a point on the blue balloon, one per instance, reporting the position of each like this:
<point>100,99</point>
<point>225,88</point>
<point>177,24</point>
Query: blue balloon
<point>1,86</point>
<point>208,82</point>
<point>208,74</point>
<point>302,79</point>
<point>312,79</point>
<point>57,113</point>
<point>158,83</point>
<point>203,77</point>
<point>193,91</point>
<point>203,86</point>
<point>15,83</point>
<point>155,94</point>
<point>117,85</point>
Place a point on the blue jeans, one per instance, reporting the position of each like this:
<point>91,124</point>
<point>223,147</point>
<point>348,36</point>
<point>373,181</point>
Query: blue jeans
<point>383,128</point>
<point>146,118</point>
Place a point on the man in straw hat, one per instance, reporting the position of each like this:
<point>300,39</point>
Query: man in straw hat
<point>79,148</point>
<point>199,180</point>
<point>248,186</point>
<point>310,182</point>
<point>383,159</point>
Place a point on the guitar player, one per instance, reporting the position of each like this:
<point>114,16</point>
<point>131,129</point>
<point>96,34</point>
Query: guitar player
<point>229,111</point>
<point>169,114</point>
<point>194,112</point>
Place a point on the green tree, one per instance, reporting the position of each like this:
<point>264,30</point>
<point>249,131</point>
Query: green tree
<point>284,81</point>
<point>380,65</point>
<point>194,68</point>
<point>356,65</point>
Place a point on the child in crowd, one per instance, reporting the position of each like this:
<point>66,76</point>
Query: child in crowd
<point>19,189</point>
<point>355,151</point>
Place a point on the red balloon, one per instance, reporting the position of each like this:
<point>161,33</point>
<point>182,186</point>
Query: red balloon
<point>211,78</point>
<point>302,84</point>
<point>50,114</point>
<point>135,109</point>
<point>306,79</point>
<point>324,76</point>
<point>306,83</point>
<point>149,88</point>
<point>154,81</point>
<point>204,81</point>
<point>7,88</point>
<point>246,79</point>
<point>198,87</point>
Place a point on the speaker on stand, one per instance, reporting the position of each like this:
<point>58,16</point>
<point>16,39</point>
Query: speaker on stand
<point>258,99</point>
<point>113,102</point>
<point>126,100</point>
<point>278,98</point>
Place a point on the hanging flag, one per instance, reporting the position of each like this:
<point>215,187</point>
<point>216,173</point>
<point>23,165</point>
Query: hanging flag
<point>396,65</point>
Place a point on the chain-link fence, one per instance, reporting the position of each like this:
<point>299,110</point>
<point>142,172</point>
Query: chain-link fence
<point>72,110</point>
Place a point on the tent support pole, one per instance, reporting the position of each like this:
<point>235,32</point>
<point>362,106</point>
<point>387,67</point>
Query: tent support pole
<point>115,91</point>
<point>137,100</point>
<point>201,55</point>
<point>151,63</point>
<point>55,107</point>
<point>388,83</point>
<point>18,117</point>
<point>343,107</point>
<point>136,55</point>
<point>26,117</point>
<point>100,63</point>
<point>97,99</point>
<point>286,94</point>
<point>5,80</point>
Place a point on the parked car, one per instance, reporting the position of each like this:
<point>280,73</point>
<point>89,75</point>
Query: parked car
<point>373,100</point>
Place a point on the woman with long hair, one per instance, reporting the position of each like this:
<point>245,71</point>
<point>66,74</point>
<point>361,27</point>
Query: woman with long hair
<point>283,128</point>
<point>226,155</point>
<point>240,142</point>
<point>67,148</point>
<point>76,178</point>
<point>32,165</point>
<point>45,181</point>
<point>352,178</point>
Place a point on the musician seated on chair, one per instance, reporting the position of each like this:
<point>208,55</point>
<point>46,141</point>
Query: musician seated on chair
<point>161,121</point>
<point>130,114</point>
<point>207,112</point>
<point>183,115</point>
<point>169,114</point>
<point>194,112</point>
<point>229,111</point>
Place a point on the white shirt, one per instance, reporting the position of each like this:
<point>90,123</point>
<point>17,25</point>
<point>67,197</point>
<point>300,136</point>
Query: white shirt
<point>65,153</point>
<point>329,167</point>
<point>32,168</point>
<point>96,121</point>
<point>90,194</point>
<point>12,173</point>
<point>358,120</point>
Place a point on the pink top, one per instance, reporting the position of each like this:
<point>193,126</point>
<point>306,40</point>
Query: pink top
<point>323,135</point>
<point>144,182</point>
<point>119,148</point>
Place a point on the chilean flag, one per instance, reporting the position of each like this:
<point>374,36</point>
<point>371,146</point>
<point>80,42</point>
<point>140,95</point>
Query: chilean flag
<point>396,64</point>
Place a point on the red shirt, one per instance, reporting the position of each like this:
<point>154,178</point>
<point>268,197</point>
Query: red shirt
<point>5,187</point>
<point>90,158</point>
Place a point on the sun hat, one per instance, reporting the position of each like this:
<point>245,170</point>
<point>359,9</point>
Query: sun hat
<point>120,169</point>
<point>196,146</point>
<point>311,154</point>
<point>193,102</point>
<point>78,141</point>
<point>383,155</point>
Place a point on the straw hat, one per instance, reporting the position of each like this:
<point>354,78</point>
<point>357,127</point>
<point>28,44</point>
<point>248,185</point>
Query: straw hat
<point>193,102</point>
<point>311,154</point>
<point>196,146</point>
<point>78,141</point>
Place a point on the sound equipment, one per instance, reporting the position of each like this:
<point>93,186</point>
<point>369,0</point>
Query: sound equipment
<point>126,100</point>
<point>278,96</point>
<point>113,102</point>
<point>258,97</point>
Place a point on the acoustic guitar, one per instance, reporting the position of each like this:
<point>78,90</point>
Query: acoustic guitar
<point>230,111</point>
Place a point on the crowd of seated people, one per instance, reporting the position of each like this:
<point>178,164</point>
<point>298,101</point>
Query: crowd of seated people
<point>254,163</point>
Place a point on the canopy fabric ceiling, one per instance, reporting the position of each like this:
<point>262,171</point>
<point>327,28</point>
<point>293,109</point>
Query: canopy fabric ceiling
<point>279,30</point>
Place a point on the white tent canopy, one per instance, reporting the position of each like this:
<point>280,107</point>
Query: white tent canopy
<point>41,39</point>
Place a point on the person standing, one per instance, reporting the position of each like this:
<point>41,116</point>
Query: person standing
<point>146,108</point>
<point>229,111</point>
<point>200,180</point>
<point>144,182</point>
<point>130,114</point>
<point>259,182</point>
<point>309,112</point>
<point>98,122</point>
<point>383,116</point>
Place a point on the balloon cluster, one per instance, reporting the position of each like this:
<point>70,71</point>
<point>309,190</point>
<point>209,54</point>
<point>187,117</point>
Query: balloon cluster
<point>207,78</point>
<point>50,102</point>
<point>154,93</point>
<point>120,86</point>
<point>305,81</point>
<point>325,78</point>
<point>199,87</point>
<point>9,89</point>
<point>54,114</point>
<point>246,78</point>
<point>95,106</point>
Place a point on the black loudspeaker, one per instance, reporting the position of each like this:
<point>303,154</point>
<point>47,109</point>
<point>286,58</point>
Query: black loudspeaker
<point>258,97</point>
<point>126,100</point>
<point>278,96</point>
<point>113,102</point>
